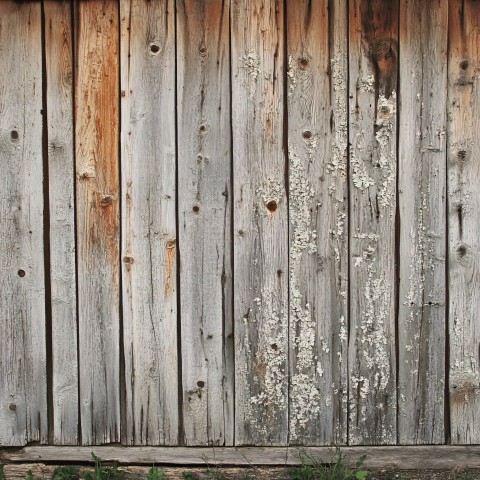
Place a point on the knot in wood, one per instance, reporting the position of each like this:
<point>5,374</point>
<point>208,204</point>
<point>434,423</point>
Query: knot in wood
<point>106,200</point>
<point>272,206</point>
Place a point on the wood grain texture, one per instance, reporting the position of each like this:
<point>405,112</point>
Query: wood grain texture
<point>463,222</point>
<point>23,384</point>
<point>204,205</point>
<point>97,189</point>
<point>422,207</point>
<point>373,62</point>
<point>59,92</point>
<point>149,245</point>
<point>318,208</point>
<point>405,457</point>
<point>260,223</point>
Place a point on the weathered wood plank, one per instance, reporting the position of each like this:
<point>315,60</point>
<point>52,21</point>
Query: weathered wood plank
<point>149,242</point>
<point>204,192</point>
<point>58,49</point>
<point>422,207</point>
<point>97,188</point>
<point>463,222</point>
<point>23,385</point>
<point>318,208</point>
<point>260,223</point>
<point>148,221</point>
<point>409,457</point>
<point>373,164</point>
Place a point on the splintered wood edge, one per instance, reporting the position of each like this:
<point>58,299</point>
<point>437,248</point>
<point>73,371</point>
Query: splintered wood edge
<point>405,458</point>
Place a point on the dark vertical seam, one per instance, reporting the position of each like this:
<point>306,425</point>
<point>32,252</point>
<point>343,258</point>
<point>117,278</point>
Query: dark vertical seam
<point>287,190</point>
<point>181,428</point>
<point>74,6</point>
<point>447,418</point>
<point>46,236</point>
<point>349,222</point>
<point>232,215</point>
<point>397,231</point>
<point>121,338</point>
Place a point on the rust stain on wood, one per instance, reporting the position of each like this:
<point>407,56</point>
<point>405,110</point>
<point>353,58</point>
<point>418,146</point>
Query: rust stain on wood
<point>170,257</point>
<point>379,33</point>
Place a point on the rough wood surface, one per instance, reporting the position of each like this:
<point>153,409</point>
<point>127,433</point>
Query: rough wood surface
<point>97,187</point>
<point>406,457</point>
<point>149,245</point>
<point>260,223</point>
<point>373,162</point>
<point>23,383</point>
<point>422,209</point>
<point>463,220</point>
<point>204,199</point>
<point>318,207</point>
<point>58,50</point>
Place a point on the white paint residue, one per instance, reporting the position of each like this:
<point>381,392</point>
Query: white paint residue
<point>251,63</point>
<point>270,362</point>
<point>304,393</point>
<point>386,120</point>
<point>338,164</point>
<point>292,76</point>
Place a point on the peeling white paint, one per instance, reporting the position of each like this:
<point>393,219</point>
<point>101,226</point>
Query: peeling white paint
<point>251,63</point>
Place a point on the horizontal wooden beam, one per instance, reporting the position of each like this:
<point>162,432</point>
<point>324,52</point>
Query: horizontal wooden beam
<point>401,457</point>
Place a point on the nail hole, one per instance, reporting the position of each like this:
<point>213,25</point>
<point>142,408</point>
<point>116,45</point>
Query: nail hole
<point>307,134</point>
<point>303,62</point>
<point>14,135</point>
<point>196,208</point>
<point>274,346</point>
<point>272,205</point>
<point>128,259</point>
<point>154,48</point>
<point>462,154</point>
<point>203,50</point>
<point>21,273</point>
<point>462,250</point>
<point>203,128</point>
<point>200,384</point>
<point>464,64</point>
<point>12,407</point>
<point>279,272</point>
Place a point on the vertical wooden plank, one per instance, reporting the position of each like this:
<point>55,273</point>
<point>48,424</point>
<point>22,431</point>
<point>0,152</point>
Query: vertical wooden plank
<point>463,221</point>
<point>204,153</point>
<point>58,48</point>
<point>373,62</point>
<point>96,141</point>
<point>422,207</point>
<point>23,385</point>
<point>318,208</point>
<point>260,223</point>
<point>148,221</point>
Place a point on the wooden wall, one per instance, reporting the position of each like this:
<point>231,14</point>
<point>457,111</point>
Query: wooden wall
<point>240,222</point>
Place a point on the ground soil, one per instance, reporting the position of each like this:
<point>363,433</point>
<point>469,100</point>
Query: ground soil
<point>41,471</point>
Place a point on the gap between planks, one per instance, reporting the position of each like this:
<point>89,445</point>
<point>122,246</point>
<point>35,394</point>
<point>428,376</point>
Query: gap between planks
<point>436,457</point>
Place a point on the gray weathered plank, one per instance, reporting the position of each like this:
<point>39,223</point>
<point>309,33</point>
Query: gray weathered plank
<point>59,91</point>
<point>409,457</point>
<point>318,208</point>
<point>422,208</point>
<point>463,221</point>
<point>148,221</point>
<point>97,188</point>
<point>204,193</point>
<point>23,385</point>
<point>260,223</point>
<point>373,161</point>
